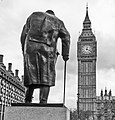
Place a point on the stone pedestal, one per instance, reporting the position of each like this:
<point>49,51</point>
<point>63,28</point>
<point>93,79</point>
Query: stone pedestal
<point>37,112</point>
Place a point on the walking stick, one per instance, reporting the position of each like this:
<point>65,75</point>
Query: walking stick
<point>64,82</point>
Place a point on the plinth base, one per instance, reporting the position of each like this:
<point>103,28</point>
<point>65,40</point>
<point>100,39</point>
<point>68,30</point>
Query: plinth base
<point>37,112</point>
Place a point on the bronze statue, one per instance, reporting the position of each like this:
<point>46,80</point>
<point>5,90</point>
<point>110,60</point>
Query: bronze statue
<point>39,45</point>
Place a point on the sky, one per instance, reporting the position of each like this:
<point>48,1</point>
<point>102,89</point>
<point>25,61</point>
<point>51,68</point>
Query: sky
<point>13,15</point>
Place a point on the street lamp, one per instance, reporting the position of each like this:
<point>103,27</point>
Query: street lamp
<point>78,105</point>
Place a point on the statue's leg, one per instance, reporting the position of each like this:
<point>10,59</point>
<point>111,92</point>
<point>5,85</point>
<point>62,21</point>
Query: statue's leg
<point>44,92</point>
<point>29,93</point>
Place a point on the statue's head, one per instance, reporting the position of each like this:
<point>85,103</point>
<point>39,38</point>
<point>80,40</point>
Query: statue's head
<point>50,12</point>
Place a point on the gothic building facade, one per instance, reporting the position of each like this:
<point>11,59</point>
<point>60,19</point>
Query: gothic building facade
<point>86,56</point>
<point>11,87</point>
<point>105,106</point>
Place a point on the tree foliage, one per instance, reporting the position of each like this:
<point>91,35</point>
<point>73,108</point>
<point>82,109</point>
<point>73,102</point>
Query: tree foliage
<point>83,115</point>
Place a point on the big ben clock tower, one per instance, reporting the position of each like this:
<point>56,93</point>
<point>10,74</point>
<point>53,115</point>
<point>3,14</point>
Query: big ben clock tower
<point>87,54</point>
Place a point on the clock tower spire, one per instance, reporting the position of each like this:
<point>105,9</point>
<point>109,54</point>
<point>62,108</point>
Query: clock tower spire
<point>87,22</point>
<point>86,56</point>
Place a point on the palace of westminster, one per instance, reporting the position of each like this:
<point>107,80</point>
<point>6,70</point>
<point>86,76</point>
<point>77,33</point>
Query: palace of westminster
<point>13,91</point>
<point>102,106</point>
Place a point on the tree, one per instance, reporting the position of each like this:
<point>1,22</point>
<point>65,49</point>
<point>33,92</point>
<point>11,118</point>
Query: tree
<point>83,115</point>
<point>73,114</point>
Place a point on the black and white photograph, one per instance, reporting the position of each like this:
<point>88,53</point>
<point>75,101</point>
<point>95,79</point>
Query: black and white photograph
<point>57,59</point>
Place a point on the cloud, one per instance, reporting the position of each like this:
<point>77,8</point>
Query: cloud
<point>103,17</point>
<point>106,46</point>
<point>106,78</point>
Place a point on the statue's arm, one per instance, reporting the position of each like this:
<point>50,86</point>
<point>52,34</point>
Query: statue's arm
<point>24,33</point>
<point>23,37</point>
<point>65,37</point>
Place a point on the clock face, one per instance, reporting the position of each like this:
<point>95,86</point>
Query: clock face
<point>86,49</point>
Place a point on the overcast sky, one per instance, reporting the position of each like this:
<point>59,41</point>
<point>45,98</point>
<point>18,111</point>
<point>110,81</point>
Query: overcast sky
<point>13,15</point>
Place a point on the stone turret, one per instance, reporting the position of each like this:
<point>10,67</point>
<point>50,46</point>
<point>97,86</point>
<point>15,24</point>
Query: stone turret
<point>16,74</point>
<point>10,68</point>
<point>105,92</point>
<point>101,94</point>
<point>110,94</point>
<point>106,95</point>
<point>1,61</point>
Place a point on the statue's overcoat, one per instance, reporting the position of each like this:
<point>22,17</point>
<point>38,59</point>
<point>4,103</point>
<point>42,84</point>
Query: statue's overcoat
<point>39,45</point>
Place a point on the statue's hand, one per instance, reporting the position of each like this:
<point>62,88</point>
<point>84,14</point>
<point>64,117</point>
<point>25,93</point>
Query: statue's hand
<point>65,57</point>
